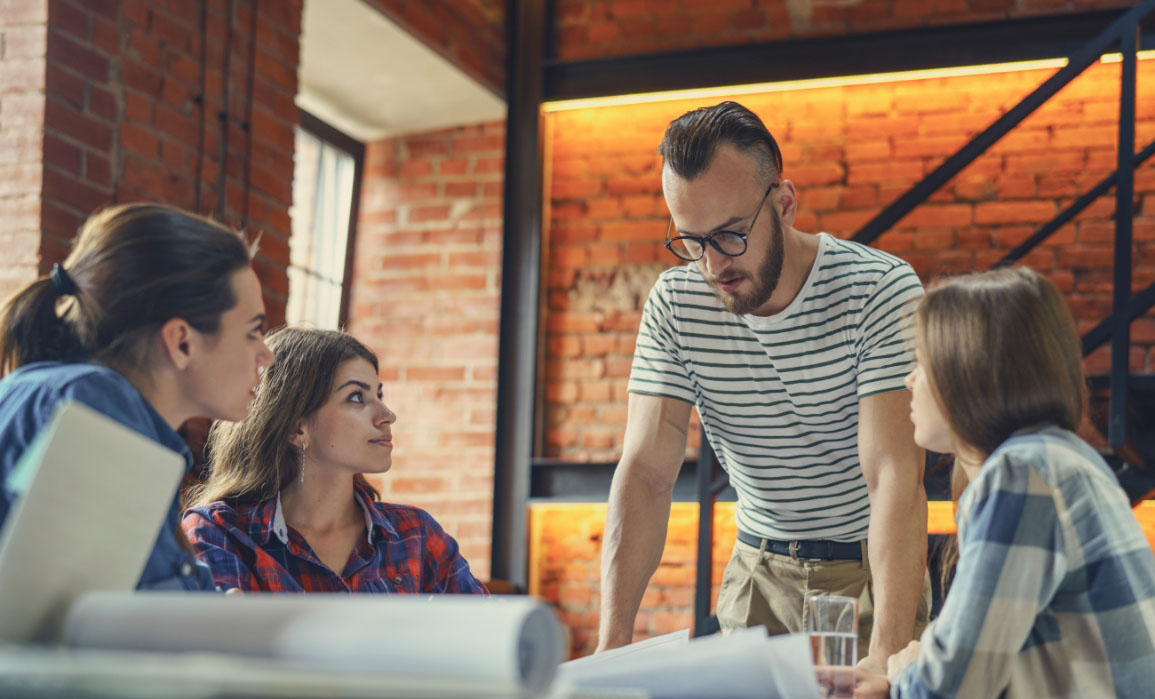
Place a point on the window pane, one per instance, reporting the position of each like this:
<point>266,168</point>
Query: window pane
<point>322,201</point>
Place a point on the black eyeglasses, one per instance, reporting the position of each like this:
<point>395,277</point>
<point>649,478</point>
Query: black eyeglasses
<point>691,247</point>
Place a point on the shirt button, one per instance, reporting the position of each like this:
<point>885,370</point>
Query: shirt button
<point>186,569</point>
<point>397,580</point>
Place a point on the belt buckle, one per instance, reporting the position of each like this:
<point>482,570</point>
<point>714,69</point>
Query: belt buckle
<point>794,550</point>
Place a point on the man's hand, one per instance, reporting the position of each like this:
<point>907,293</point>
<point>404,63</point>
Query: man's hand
<point>609,644</point>
<point>898,661</point>
<point>873,665</point>
<point>868,685</point>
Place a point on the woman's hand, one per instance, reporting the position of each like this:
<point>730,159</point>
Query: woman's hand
<point>898,661</point>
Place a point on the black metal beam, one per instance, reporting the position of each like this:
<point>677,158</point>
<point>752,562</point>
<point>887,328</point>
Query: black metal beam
<point>1077,62</point>
<point>557,480</point>
<point>1139,304</point>
<point>1124,191</point>
<point>704,572</point>
<point>520,289</point>
<point>824,57</point>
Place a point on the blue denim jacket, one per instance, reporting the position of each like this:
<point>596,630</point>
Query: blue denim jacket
<point>27,399</point>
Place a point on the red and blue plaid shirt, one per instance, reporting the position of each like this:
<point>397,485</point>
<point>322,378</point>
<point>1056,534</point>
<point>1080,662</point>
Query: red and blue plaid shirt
<point>250,547</point>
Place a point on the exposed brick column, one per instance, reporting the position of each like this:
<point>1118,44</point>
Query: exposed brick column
<point>101,103</point>
<point>23,30</point>
<point>426,296</point>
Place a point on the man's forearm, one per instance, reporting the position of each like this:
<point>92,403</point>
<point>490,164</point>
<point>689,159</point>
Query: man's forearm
<point>635,535</point>
<point>897,550</point>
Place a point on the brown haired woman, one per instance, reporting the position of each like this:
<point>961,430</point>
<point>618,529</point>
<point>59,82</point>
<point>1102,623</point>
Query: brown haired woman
<point>1054,593</point>
<point>155,317</point>
<point>286,507</point>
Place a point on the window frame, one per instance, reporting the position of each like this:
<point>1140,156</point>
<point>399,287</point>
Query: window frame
<point>342,141</point>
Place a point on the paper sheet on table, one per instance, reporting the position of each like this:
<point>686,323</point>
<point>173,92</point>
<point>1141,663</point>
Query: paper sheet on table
<point>650,646</point>
<point>93,495</point>
<point>742,664</point>
<point>495,642</point>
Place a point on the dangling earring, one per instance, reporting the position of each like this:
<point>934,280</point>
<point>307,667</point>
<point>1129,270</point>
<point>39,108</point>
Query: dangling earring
<point>303,447</point>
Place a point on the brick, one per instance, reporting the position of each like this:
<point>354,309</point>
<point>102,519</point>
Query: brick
<point>809,176</point>
<point>604,208</point>
<point>62,154</point>
<point>69,122</point>
<point>74,55</point>
<point>947,216</point>
<point>1014,212</point>
<point>890,171</point>
<point>928,146</point>
<point>24,42</point>
<point>868,150</point>
<point>633,230</point>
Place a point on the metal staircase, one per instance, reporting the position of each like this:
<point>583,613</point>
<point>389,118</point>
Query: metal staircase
<point>1122,404</point>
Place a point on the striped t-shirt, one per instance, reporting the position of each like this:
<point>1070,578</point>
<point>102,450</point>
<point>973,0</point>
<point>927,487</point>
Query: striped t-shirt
<point>778,395</point>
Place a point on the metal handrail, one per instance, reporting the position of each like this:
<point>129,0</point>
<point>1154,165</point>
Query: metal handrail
<point>1123,33</point>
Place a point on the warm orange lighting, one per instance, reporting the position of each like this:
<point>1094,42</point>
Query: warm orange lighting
<point>869,79</point>
<point>1118,57</point>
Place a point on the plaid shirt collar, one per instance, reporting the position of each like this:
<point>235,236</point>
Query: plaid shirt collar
<point>269,520</point>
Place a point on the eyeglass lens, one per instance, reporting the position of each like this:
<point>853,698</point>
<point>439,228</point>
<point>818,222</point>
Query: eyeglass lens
<point>725,242</point>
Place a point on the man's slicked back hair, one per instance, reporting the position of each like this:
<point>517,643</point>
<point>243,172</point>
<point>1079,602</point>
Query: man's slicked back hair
<point>692,140</point>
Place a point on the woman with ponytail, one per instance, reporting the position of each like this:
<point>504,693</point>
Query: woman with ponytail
<point>154,318</point>
<point>1054,588</point>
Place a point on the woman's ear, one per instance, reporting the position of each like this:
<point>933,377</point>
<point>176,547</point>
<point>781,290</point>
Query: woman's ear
<point>299,435</point>
<point>178,342</point>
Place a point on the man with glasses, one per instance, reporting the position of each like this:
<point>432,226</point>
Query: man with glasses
<point>793,347</point>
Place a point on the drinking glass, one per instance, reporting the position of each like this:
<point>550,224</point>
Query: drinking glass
<point>832,622</point>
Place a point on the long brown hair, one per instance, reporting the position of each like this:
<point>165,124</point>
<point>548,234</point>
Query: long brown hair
<point>133,268</point>
<point>252,460</point>
<point>1001,354</point>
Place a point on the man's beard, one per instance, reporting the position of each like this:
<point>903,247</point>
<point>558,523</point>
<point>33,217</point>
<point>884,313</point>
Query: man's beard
<point>766,277</point>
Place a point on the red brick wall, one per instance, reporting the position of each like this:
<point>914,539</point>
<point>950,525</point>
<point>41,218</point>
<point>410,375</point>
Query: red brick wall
<point>121,119</point>
<point>426,295</point>
<point>598,28</point>
<point>850,150</point>
<point>23,44</point>
<point>470,33</point>
<point>564,567</point>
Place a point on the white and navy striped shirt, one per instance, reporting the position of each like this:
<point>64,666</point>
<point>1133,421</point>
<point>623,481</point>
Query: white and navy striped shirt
<point>778,395</point>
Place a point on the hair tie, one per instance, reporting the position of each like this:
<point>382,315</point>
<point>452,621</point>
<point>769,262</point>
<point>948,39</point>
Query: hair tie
<point>63,282</point>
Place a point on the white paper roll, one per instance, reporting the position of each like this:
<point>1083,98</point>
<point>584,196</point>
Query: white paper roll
<point>513,640</point>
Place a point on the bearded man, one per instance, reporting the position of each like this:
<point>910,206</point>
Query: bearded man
<point>793,347</point>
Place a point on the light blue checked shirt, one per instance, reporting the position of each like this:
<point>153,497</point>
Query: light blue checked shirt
<point>1054,595</point>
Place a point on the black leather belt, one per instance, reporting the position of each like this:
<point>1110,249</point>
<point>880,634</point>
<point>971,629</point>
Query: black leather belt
<point>811,550</point>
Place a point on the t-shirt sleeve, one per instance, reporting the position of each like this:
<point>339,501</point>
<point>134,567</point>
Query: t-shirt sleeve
<point>658,369</point>
<point>886,332</point>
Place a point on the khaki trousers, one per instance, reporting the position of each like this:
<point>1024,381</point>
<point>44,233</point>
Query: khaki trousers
<point>768,589</point>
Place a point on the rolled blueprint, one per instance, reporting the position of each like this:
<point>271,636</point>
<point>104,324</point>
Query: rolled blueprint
<point>515,642</point>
